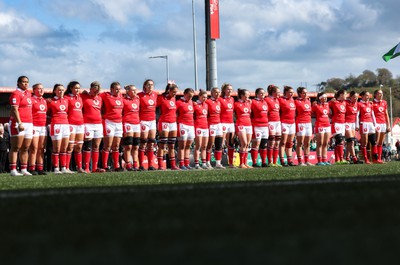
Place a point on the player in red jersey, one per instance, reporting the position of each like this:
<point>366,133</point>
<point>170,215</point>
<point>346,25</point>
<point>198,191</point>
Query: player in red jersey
<point>147,113</point>
<point>259,119</point>
<point>367,126</point>
<point>202,133</point>
<point>21,127</point>
<point>351,124</point>
<point>131,122</point>
<point>59,129</point>
<point>303,126</point>
<point>274,125</point>
<point>38,144</point>
<point>167,127</point>
<point>185,111</point>
<point>93,126</point>
<point>112,126</point>
<point>287,114</point>
<point>227,124</point>
<point>338,114</point>
<point>77,127</point>
<point>214,124</point>
<point>244,130</point>
<point>322,128</point>
<point>382,121</point>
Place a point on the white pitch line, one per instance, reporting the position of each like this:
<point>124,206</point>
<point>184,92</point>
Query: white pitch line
<point>184,187</point>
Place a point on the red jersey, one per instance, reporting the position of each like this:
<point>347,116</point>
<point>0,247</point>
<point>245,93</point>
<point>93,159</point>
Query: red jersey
<point>185,111</point>
<point>226,109</point>
<point>214,111</point>
<point>338,111</point>
<point>91,108</point>
<point>59,110</point>
<point>366,111</point>
<point>112,106</point>
<point>259,112</point>
<point>200,114</point>
<point>39,111</point>
<point>351,111</point>
<point>288,110</point>
<point>321,112</point>
<point>303,110</point>
<point>147,111</point>
<point>167,106</point>
<point>273,109</point>
<point>23,100</point>
<point>380,109</point>
<point>75,106</point>
<point>131,110</point>
<point>242,111</point>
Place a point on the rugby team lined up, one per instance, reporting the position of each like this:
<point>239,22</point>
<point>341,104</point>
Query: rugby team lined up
<point>266,125</point>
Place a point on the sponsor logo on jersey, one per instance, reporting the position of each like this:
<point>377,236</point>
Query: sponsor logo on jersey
<point>77,105</point>
<point>42,107</point>
<point>190,108</point>
<point>229,105</point>
<point>151,102</point>
<point>246,110</point>
<point>118,102</point>
<point>62,107</point>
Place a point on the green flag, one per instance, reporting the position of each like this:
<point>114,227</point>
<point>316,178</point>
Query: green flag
<point>393,53</point>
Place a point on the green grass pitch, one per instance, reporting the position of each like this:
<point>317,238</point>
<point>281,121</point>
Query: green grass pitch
<point>302,215</point>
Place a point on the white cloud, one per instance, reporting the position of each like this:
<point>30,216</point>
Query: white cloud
<point>13,27</point>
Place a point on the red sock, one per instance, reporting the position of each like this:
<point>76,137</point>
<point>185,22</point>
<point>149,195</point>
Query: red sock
<point>319,159</point>
<point>379,150</point>
<point>78,160</point>
<point>128,165</point>
<point>150,157</point>
<point>13,166</point>
<point>299,159</point>
<point>305,158</point>
<point>135,164</point>
<point>31,167</point>
<point>254,155</point>
<point>275,155</point>
<point>241,154</point>
<point>324,159</point>
<point>208,156</point>
<point>269,155</point>
<point>115,157</point>
<point>104,157</point>
<point>141,156</point>
<point>56,159</point>
<point>24,166</point>
<point>160,160</point>
<point>245,156</point>
<point>263,155</point>
<point>187,162</point>
<point>68,162</point>
<point>39,167</point>
<point>95,160</point>
<point>218,155</point>
<point>172,162</point>
<point>341,152</point>
<point>337,153</point>
<point>181,162</point>
<point>86,159</point>
<point>231,153</point>
<point>63,159</point>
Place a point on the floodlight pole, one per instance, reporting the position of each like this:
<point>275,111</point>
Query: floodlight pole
<point>166,63</point>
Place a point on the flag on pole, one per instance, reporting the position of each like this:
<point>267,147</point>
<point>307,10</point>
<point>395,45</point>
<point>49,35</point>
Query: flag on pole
<point>393,53</point>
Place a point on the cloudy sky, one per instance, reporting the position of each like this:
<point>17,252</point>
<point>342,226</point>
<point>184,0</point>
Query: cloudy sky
<point>284,42</point>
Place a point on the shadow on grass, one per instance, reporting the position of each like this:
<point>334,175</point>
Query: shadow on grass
<point>352,221</point>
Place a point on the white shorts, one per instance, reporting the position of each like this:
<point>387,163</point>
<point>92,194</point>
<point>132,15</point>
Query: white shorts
<point>131,128</point>
<point>381,127</point>
<point>27,132</point>
<point>323,129</point>
<point>59,131</point>
<point>146,126</point>
<point>112,129</point>
<point>246,129</point>
<point>93,131</point>
<point>275,128</point>
<point>288,128</point>
<point>215,130</point>
<point>167,127</point>
<point>338,128</point>
<point>260,133</point>
<point>304,129</point>
<point>77,129</point>
<point>228,127</point>
<point>202,132</point>
<point>185,132</point>
<point>39,131</point>
<point>367,128</point>
<point>350,126</point>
